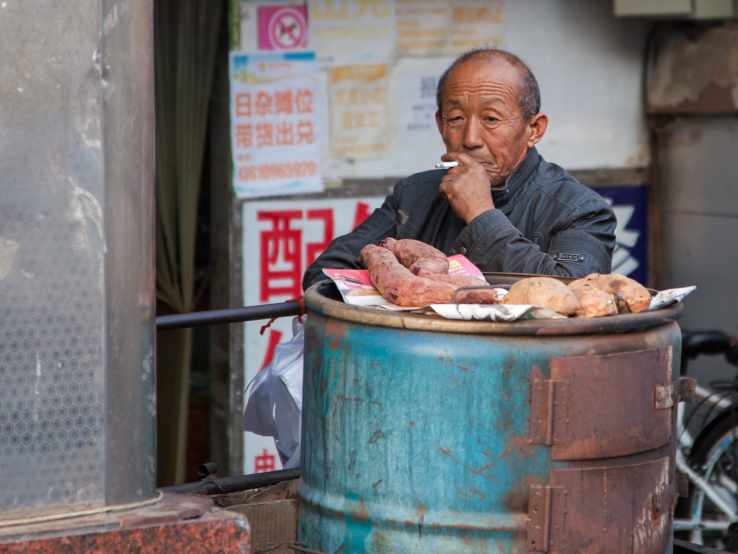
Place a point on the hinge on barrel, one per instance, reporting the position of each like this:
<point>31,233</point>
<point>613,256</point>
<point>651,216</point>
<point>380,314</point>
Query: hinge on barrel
<point>548,412</point>
<point>667,396</point>
<point>546,517</point>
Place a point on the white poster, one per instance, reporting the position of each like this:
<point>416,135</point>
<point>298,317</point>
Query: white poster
<point>417,104</point>
<point>345,32</point>
<point>280,239</point>
<point>273,124</point>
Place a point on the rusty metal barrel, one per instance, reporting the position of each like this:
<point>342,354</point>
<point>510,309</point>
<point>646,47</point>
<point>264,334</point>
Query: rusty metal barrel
<point>428,435</point>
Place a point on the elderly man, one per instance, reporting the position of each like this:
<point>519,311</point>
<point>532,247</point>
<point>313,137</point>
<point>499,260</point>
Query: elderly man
<point>503,207</point>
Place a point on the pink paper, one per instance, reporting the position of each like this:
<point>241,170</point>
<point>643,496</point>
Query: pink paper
<point>282,27</point>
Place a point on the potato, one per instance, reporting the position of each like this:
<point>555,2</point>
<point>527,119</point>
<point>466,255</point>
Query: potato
<point>473,296</point>
<point>595,302</point>
<point>398,285</point>
<point>544,292</point>
<point>631,297</point>
<point>417,256</point>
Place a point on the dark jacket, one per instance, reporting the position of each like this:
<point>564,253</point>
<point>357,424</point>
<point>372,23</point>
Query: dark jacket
<point>544,222</point>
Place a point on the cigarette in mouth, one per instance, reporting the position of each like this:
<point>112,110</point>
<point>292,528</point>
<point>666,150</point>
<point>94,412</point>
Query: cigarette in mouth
<point>446,165</point>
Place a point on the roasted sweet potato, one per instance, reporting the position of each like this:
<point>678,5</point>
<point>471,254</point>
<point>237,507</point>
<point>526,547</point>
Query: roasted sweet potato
<point>417,256</point>
<point>398,285</point>
<point>594,302</point>
<point>544,292</point>
<point>475,296</point>
<point>631,297</point>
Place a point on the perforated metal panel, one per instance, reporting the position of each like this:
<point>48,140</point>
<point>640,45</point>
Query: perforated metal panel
<point>52,309</point>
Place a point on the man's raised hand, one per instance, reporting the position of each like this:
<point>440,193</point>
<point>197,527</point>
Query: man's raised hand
<point>466,187</point>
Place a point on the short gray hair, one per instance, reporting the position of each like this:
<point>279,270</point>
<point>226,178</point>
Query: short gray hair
<point>529,95</point>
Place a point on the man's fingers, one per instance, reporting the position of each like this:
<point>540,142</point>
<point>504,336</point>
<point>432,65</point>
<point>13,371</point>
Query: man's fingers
<point>465,159</point>
<point>443,188</point>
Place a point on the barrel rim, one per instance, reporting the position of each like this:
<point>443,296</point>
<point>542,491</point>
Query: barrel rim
<point>625,323</point>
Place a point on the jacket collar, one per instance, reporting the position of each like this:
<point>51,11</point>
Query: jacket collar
<point>517,181</point>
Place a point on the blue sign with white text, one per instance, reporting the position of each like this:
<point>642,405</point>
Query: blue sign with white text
<point>630,205</point>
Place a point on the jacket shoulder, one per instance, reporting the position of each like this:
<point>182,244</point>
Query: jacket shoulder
<point>423,181</point>
<point>432,176</point>
<point>557,184</point>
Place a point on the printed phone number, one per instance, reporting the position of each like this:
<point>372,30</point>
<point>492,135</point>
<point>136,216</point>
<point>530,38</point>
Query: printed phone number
<point>266,172</point>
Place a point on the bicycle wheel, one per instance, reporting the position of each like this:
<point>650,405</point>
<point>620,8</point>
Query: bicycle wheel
<point>715,456</point>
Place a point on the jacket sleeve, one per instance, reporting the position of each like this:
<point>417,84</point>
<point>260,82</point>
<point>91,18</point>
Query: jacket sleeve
<point>583,245</point>
<point>343,252</point>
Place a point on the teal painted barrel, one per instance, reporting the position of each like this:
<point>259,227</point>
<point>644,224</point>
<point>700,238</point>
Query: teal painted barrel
<point>427,435</point>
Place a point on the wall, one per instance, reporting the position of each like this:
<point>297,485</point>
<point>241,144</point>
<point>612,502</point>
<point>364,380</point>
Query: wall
<point>588,64</point>
<point>700,226</point>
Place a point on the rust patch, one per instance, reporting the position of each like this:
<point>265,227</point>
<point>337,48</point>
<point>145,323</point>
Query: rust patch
<point>374,364</point>
<point>696,72</point>
<point>412,423</point>
<point>462,367</point>
<point>376,436</point>
<point>374,485</point>
<point>535,374</point>
<point>610,411</point>
<point>361,513</point>
<point>480,471</point>
<point>333,334</point>
<point>358,400</point>
<point>375,402</point>
<point>477,492</point>
<point>517,499</point>
<point>519,445</point>
<point>352,462</point>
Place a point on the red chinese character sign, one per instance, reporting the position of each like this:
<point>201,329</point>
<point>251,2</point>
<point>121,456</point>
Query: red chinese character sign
<point>280,240</point>
<point>273,124</point>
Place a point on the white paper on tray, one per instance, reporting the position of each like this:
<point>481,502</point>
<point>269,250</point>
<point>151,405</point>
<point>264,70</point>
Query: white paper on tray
<point>508,312</point>
<point>666,297</point>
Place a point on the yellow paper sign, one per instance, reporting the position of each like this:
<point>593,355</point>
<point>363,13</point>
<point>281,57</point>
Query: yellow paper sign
<point>359,111</point>
<point>437,27</point>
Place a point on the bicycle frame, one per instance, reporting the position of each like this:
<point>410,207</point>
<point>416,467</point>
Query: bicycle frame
<point>685,441</point>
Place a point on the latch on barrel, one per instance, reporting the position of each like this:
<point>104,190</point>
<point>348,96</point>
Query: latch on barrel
<point>666,500</point>
<point>668,396</point>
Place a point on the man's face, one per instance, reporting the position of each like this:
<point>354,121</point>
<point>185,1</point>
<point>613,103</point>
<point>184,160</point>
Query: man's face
<point>480,116</point>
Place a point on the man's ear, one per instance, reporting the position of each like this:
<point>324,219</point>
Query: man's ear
<point>537,127</point>
<point>439,121</point>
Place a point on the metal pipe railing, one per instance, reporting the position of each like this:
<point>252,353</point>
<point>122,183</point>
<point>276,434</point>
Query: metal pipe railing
<point>233,315</point>
<point>236,483</point>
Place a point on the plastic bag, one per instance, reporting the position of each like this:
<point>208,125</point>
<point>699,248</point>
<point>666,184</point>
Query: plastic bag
<point>274,398</point>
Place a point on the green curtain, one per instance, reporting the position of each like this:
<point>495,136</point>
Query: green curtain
<point>185,36</point>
